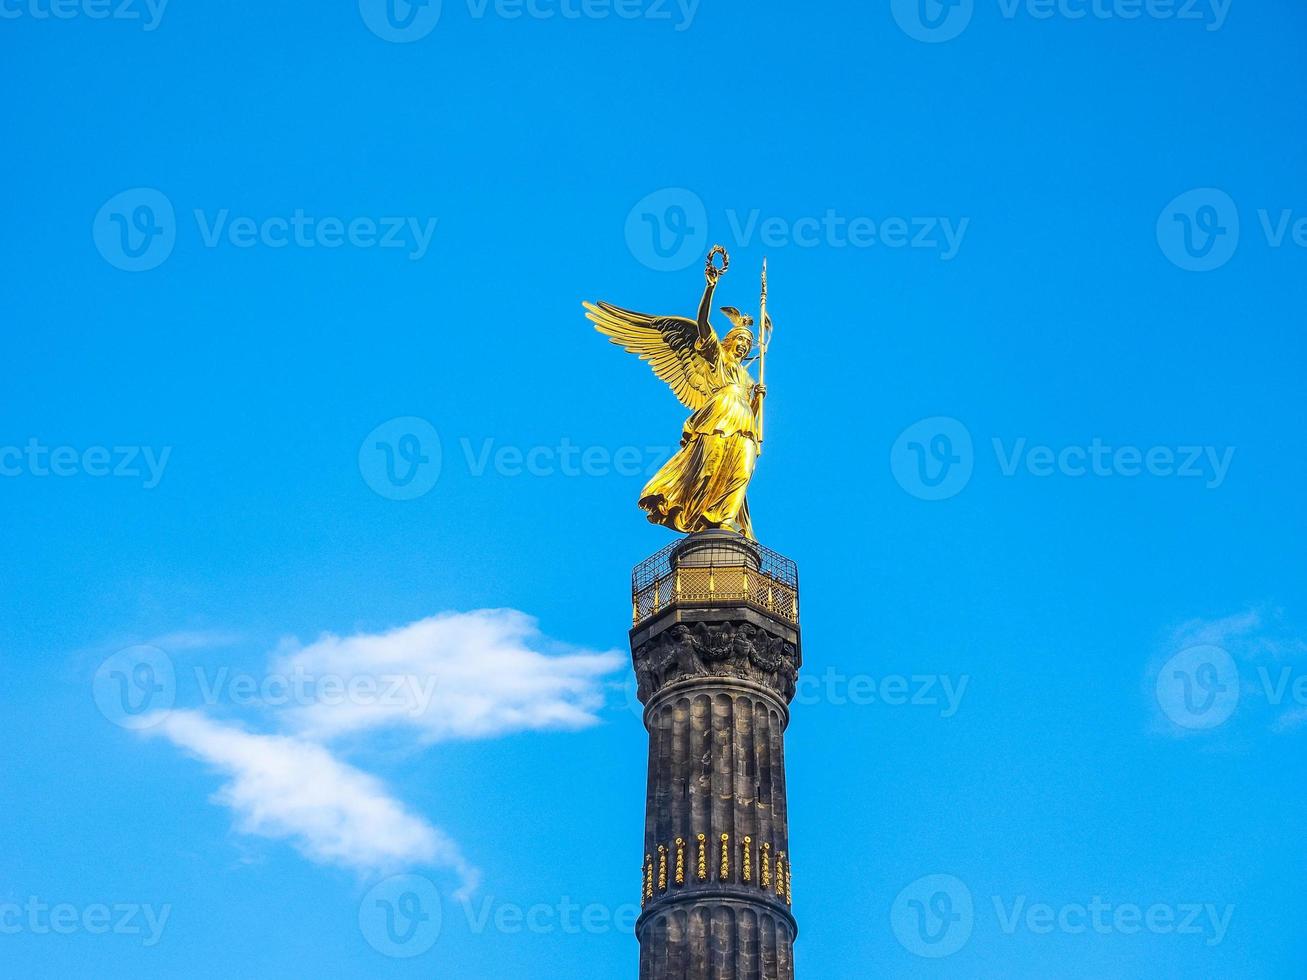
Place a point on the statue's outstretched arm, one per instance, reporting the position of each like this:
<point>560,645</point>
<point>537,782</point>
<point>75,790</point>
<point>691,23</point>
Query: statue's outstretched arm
<point>705,310</point>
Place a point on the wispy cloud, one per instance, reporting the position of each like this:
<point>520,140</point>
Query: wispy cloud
<point>458,675</point>
<point>1216,632</point>
<point>492,673</point>
<point>1291,720</point>
<point>287,788</point>
<point>1244,665</point>
<point>195,640</point>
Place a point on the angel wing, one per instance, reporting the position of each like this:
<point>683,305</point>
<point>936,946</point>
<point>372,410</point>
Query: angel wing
<point>668,343</point>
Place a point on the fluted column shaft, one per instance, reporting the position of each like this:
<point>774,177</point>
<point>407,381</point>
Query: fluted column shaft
<point>716,835</point>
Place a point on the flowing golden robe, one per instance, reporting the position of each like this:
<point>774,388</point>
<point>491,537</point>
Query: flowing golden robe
<point>703,486</point>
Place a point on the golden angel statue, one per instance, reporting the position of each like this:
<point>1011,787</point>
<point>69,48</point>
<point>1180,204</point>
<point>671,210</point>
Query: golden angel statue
<point>703,485</point>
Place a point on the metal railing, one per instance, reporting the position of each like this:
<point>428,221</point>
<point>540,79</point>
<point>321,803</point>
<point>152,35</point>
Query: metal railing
<point>718,575</point>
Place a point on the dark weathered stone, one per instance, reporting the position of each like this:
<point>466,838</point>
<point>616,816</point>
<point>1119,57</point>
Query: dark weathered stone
<point>716,684</point>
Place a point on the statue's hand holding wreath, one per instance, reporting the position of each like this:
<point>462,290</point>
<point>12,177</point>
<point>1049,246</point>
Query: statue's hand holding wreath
<point>712,271</point>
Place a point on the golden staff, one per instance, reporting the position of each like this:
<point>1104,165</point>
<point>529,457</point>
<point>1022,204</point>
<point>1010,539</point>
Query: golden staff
<point>764,339</point>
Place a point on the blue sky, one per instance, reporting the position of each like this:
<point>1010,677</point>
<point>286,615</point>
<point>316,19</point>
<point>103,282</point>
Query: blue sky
<point>1034,439</point>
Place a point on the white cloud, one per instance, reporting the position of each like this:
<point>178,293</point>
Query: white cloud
<point>480,674</point>
<point>287,788</point>
<point>468,675</point>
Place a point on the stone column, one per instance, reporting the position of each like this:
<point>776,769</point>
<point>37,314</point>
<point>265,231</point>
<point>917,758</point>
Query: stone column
<point>717,655</point>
